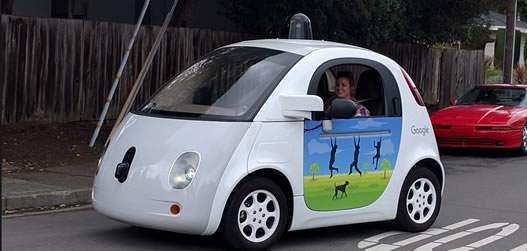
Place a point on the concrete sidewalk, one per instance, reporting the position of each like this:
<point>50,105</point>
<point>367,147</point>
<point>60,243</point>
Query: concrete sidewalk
<point>52,187</point>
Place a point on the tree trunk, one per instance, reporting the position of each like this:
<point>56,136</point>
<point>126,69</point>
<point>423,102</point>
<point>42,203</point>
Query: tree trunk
<point>509,42</point>
<point>385,173</point>
<point>313,176</point>
<point>6,6</point>
<point>184,13</point>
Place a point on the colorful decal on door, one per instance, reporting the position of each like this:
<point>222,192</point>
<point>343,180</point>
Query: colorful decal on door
<point>350,166</point>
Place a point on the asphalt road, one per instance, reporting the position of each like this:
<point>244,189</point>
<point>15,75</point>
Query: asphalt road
<point>484,208</point>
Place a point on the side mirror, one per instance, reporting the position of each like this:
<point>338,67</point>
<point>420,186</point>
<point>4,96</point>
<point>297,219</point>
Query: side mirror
<point>300,106</point>
<point>453,101</point>
<point>339,109</point>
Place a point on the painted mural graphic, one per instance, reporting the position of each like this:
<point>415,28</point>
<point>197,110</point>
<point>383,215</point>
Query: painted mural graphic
<point>350,166</point>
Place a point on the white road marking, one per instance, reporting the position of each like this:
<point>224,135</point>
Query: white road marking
<point>413,240</point>
<point>461,249</point>
<point>377,238</point>
<point>520,248</point>
<point>365,244</point>
<point>374,240</point>
<point>506,230</point>
<point>484,242</point>
<point>428,247</point>
<point>435,231</point>
<point>372,243</point>
<point>460,224</point>
<point>452,237</point>
<point>487,227</point>
<point>383,247</point>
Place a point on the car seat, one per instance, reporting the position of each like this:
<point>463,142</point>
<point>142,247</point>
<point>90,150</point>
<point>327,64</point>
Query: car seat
<point>489,98</point>
<point>370,93</point>
<point>327,81</point>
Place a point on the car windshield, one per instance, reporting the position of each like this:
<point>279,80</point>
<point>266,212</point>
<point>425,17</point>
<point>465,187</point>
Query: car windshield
<point>229,84</point>
<point>494,96</point>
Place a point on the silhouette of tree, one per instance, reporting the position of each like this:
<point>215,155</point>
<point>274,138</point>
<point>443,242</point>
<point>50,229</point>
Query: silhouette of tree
<point>385,166</point>
<point>365,166</point>
<point>314,168</point>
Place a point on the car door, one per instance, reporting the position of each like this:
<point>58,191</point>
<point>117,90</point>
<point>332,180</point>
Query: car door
<point>349,165</point>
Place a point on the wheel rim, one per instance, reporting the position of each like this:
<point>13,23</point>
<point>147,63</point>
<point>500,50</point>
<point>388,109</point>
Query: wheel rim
<point>258,216</point>
<point>525,138</point>
<point>421,200</point>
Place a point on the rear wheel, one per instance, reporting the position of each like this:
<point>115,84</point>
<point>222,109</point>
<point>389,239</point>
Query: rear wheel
<point>419,201</point>
<point>523,147</point>
<point>255,216</point>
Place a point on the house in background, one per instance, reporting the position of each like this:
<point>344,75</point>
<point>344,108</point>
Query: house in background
<point>202,14</point>
<point>496,49</point>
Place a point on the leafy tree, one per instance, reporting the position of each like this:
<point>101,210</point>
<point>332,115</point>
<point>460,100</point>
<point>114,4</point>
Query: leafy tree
<point>365,166</point>
<point>385,166</point>
<point>314,168</point>
<point>500,6</point>
<point>367,22</point>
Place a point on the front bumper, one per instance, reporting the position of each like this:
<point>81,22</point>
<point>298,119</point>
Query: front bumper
<point>470,137</point>
<point>153,213</point>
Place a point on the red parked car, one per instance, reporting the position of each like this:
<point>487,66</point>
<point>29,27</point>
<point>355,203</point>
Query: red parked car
<point>488,116</point>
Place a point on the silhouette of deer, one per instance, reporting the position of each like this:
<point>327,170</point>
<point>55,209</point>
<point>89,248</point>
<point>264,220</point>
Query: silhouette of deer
<point>332,157</point>
<point>355,162</point>
<point>378,154</point>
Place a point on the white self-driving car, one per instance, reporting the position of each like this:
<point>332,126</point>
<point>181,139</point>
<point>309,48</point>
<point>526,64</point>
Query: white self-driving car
<point>248,142</point>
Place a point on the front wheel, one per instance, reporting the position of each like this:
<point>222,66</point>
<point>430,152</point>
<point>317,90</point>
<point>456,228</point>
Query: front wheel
<point>419,201</point>
<point>523,147</point>
<point>255,216</point>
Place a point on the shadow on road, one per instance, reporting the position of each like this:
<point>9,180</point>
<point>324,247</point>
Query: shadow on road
<point>140,238</point>
<point>332,236</point>
<point>143,238</point>
<point>486,153</point>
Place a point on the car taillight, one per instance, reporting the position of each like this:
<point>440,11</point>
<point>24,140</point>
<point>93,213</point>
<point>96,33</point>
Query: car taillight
<point>413,88</point>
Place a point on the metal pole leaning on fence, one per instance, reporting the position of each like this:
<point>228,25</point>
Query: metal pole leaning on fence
<point>119,74</point>
<point>144,70</point>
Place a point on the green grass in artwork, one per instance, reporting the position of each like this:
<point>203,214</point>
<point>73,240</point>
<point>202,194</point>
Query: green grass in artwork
<point>362,190</point>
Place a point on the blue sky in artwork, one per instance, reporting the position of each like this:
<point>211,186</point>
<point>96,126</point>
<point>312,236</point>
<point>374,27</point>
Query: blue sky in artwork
<point>317,148</point>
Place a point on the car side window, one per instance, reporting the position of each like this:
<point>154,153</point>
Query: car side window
<point>359,83</point>
<point>375,85</point>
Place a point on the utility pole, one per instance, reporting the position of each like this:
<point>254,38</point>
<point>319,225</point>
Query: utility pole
<point>119,72</point>
<point>509,41</point>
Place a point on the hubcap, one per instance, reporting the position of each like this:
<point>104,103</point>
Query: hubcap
<point>525,138</point>
<point>258,216</point>
<point>421,200</point>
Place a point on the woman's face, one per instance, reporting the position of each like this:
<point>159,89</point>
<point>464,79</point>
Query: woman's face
<point>343,88</point>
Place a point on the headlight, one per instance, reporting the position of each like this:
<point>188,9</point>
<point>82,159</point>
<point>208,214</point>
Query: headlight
<point>184,170</point>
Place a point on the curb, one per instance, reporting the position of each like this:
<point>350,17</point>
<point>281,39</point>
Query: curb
<point>46,212</point>
<point>66,197</point>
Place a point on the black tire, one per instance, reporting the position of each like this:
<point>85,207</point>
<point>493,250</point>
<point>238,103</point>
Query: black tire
<point>230,229</point>
<point>523,147</point>
<point>404,220</point>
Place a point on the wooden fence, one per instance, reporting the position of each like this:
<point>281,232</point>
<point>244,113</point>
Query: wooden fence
<point>440,74</point>
<point>61,70</point>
